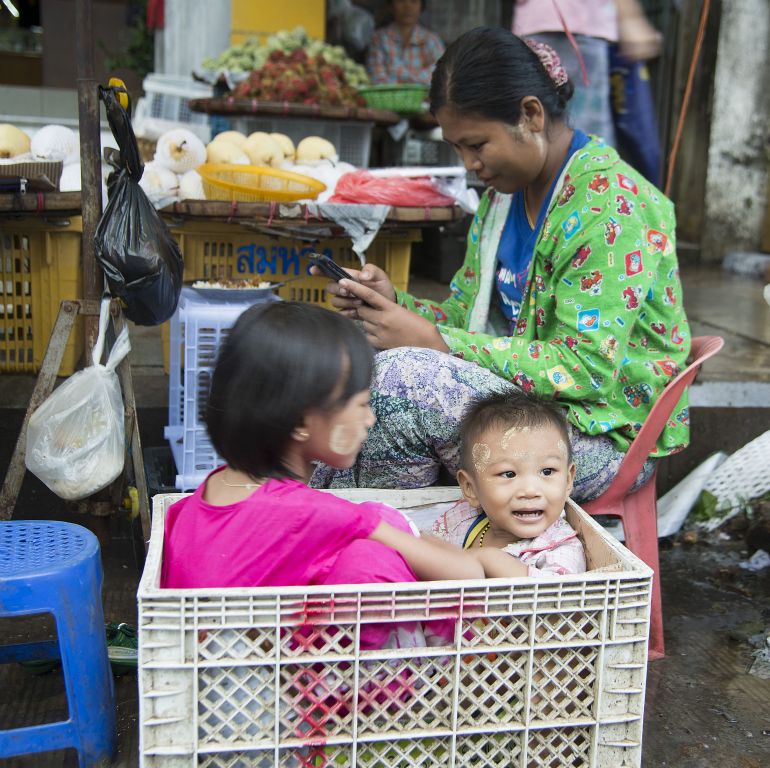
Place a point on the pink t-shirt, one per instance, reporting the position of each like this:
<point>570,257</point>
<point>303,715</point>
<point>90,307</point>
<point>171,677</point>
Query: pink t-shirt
<point>595,18</point>
<point>283,534</point>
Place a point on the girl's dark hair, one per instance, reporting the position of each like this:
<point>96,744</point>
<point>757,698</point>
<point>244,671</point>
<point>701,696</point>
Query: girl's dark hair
<point>488,71</point>
<point>278,361</point>
<point>514,408</point>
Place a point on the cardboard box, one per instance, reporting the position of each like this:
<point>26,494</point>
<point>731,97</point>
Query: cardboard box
<point>42,172</point>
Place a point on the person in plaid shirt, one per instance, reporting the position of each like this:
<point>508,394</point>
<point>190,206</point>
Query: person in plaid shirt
<point>403,51</point>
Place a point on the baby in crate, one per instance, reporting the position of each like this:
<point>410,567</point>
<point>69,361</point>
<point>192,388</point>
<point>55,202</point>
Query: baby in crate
<point>516,475</point>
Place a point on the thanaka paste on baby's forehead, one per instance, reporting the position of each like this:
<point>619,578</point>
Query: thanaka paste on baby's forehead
<point>511,434</point>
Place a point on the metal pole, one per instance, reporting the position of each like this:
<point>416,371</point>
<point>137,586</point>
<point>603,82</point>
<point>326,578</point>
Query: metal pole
<point>90,160</point>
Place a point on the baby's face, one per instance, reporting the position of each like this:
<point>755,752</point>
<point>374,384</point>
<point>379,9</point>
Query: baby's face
<point>521,478</point>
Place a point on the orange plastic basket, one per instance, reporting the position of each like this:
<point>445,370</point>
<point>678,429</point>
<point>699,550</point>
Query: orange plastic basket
<point>253,183</point>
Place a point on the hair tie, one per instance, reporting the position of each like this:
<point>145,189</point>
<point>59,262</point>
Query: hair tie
<point>550,61</point>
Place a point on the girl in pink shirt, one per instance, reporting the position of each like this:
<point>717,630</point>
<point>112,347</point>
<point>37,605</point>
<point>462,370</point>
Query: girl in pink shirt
<point>291,387</point>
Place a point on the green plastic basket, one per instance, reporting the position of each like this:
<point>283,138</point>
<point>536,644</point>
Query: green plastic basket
<point>404,98</point>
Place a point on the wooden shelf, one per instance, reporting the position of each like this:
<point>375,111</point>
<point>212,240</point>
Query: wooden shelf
<point>63,203</point>
<point>296,214</point>
<point>245,107</point>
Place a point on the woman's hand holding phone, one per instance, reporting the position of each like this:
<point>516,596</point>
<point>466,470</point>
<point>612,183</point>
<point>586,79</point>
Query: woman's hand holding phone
<point>370,276</point>
<point>370,297</point>
<point>388,325</point>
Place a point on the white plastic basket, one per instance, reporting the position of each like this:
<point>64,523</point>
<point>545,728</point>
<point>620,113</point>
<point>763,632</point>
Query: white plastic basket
<point>165,106</point>
<point>541,672</point>
<point>197,330</point>
<point>353,139</point>
<point>741,477</point>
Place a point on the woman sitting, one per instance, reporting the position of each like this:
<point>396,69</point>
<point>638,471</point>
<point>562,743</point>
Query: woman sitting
<point>570,287</point>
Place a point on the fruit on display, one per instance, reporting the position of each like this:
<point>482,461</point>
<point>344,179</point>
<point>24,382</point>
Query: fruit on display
<point>191,186</point>
<point>13,141</point>
<point>55,143</point>
<point>225,151</point>
<point>286,144</point>
<point>314,148</point>
<point>314,156</point>
<point>293,67</point>
<point>180,150</point>
<point>251,55</point>
<point>234,137</point>
<point>263,149</point>
<point>160,184</point>
<point>300,79</point>
<point>70,180</point>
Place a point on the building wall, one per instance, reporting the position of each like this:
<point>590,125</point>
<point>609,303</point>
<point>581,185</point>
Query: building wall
<point>737,177</point>
<point>260,18</point>
<point>57,17</point>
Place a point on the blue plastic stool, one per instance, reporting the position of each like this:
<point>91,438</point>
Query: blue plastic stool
<point>54,567</point>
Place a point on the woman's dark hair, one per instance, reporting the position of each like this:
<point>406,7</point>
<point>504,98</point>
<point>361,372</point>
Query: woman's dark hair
<point>488,71</point>
<point>514,408</point>
<point>278,361</point>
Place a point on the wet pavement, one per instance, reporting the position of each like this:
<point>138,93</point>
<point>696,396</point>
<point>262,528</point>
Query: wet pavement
<point>703,707</point>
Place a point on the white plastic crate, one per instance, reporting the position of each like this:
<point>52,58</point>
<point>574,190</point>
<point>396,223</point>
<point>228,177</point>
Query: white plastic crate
<point>541,672</point>
<point>165,106</point>
<point>197,330</point>
<point>353,139</point>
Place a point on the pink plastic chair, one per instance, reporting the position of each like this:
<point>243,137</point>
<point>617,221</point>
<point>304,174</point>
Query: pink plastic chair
<point>638,511</point>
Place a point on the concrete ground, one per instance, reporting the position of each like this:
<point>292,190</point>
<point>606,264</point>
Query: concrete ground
<point>704,708</point>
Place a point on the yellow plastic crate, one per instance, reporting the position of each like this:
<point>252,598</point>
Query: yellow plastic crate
<point>39,268</point>
<point>226,251</point>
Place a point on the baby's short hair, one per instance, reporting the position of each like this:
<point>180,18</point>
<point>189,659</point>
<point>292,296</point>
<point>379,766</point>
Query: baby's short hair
<point>513,408</point>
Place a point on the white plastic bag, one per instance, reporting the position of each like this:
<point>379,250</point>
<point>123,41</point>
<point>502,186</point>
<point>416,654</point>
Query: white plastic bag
<point>76,438</point>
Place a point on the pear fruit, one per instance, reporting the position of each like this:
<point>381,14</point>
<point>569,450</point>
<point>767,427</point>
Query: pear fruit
<point>13,141</point>
<point>225,152</point>
<point>263,150</point>
<point>287,145</point>
<point>314,148</point>
<point>234,137</point>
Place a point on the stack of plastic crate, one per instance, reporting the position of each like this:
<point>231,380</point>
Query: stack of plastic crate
<point>197,330</point>
<point>541,673</point>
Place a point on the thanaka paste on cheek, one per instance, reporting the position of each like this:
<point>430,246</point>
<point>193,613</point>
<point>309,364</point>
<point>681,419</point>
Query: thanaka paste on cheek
<point>481,454</point>
<point>342,439</point>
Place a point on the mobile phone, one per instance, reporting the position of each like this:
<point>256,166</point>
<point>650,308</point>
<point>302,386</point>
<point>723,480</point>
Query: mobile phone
<point>330,267</point>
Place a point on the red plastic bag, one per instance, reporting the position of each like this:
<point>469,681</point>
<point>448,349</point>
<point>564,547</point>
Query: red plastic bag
<point>363,187</point>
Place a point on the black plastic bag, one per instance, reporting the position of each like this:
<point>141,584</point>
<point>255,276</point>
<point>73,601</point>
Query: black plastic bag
<point>142,262</point>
